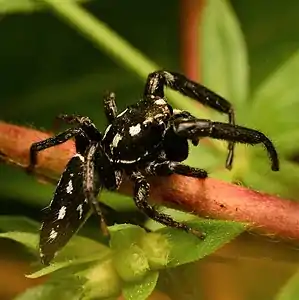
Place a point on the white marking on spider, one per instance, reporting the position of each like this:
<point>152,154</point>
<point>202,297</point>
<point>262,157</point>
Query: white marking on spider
<point>53,234</point>
<point>107,130</point>
<point>148,121</point>
<point>71,174</point>
<point>123,161</point>
<point>169,77</point>
<point>160,102</point>
<point>153,83</point>
<point>81,157</point>
<point>134,130</point>
<point>80,210</point>
<point>122,113</point>
<point>158,116</point>
<point>69,187</point>
<point>117,138</point>
<point>61,213</point>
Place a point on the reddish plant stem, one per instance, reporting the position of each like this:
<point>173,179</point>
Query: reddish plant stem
<point>190,18</point>
<point>209,198</point>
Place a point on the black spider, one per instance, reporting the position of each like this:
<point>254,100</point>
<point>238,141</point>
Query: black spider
<point>147,138</point>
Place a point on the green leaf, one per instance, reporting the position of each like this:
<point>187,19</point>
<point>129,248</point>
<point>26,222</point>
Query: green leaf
<point>55,266</point>
<point>69,288</point>
<point>187,247</point>
<point>268,45</point>
<point>184,247</point>
<point>29,240</point>
<point>290,291</point>
<point>18,223</point>
<point>24,6</point>
<point>283,182</point>
<point>79,250</point>
<point>141,290</point>
<point>224,56</point>
<point>277,98</point>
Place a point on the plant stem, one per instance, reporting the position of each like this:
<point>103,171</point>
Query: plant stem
<point>210,198</point>
<point>191,12</point>
<point>110,42</point>
<point>102,36</point>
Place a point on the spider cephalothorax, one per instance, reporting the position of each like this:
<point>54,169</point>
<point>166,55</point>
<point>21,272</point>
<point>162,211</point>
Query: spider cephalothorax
<point>147,138</point>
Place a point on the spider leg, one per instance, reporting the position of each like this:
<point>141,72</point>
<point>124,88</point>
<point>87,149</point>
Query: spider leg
<point>83,122</point>
<point>92,185</point>
<point>223,131</point>
<point>141,195</point>
<point>166,168</point>
<point>110,107</point>
<point>50,142</point>
<point>158,80</point>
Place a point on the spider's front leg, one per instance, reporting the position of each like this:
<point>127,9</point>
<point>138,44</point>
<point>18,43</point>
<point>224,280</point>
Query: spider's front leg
<point>110,107</point>
<point>158,80</point>
<point>141,195</point>
<point>85,123</point>
<point>51,142</point>
<point>223,131</point>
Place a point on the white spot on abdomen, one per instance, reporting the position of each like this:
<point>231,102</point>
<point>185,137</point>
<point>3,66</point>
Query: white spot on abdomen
<point>53,234</point>
<point>134,130</point>
<point>160,102</point>
<point>69,187</point>
<point>61,213</point>
<point>80,210</point>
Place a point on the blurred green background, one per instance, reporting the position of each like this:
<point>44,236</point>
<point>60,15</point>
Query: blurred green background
<point>48,68</point>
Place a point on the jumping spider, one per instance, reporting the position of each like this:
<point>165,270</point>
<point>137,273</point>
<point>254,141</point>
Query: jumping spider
<point>147,138</point>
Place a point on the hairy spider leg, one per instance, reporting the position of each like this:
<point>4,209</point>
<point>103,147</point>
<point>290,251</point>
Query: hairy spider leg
<point>91,133</point>
<point>89,185</point>
<point>178,82</point>
<point>227,132</point>
<point>110,107</point>
<point>167,167</point>
<point>141,195</point>
<point>90,130</point>
<point>51,142</point>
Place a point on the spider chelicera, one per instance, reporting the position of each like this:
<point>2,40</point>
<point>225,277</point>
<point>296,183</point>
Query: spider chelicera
<point>147,138</point>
